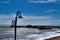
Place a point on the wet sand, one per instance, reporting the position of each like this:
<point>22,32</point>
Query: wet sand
<point>54,38</point>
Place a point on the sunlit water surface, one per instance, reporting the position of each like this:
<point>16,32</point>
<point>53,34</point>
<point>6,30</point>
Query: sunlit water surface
<point>28,33</point>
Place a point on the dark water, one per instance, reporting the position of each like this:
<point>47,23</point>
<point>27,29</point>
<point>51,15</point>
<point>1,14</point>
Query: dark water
<point>27,33</point>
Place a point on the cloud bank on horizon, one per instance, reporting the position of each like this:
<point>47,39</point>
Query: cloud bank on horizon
<point>29,20</point>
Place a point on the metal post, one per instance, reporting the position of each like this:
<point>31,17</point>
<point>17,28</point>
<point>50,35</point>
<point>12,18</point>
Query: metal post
<point>17,16</point>
<point>15,26</point>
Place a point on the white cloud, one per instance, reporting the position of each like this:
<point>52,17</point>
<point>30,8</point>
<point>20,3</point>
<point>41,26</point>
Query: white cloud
<point>6,19</point>
<point>34,20</point>
<point>36,17</point>
<point>7,1</point>
<point>51,10</point>
<point>56,22</point>
<point>43,1</point>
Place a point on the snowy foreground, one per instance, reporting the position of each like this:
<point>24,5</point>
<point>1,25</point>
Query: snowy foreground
<point>28,34</point>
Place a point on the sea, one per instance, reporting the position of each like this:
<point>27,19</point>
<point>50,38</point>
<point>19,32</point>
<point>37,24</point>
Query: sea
<point>28,33</point>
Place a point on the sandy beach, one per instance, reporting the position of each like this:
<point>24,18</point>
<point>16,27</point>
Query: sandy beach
<point>54,38</point>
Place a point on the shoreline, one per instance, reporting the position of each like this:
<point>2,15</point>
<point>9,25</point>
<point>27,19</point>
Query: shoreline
<point>54,38</point>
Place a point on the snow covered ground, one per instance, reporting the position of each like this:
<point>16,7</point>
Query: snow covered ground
<point>28,34</point>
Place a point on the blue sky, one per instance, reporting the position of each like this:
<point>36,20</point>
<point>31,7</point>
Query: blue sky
<point>35,12</point>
